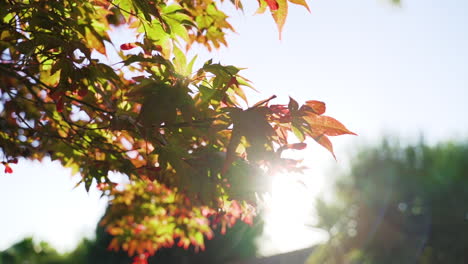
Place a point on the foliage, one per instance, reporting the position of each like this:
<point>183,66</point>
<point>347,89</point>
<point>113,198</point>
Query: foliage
<point>193,154</point>
<point>399,205</point>
<point>29,251</point>
<point>237,243</point>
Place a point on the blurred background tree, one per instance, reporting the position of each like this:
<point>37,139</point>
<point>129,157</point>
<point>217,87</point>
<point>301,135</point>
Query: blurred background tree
<point>29,251</point>
<point>399,205</point>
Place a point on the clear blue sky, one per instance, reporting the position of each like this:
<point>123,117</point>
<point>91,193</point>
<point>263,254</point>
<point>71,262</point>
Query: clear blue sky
<point>380,69</point>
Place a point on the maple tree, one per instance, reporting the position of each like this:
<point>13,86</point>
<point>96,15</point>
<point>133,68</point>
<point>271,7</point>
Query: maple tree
<point>194,156</point>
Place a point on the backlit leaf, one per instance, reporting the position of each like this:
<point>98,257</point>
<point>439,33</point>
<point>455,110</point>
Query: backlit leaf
<point>272,4</point>
<point>316,106</point>
<point>300,2</point>
<point>324,141</point>
<point>280,14</point>
<point>326,125</point>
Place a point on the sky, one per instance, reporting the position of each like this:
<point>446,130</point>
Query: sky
<point>381,69</point>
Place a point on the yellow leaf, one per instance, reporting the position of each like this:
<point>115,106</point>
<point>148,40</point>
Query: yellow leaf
<point>300,2</point>
<point>280,15</point>
<point>262,5</point>
<point>94,42</point>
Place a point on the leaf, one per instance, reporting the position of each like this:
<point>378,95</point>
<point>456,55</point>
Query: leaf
<point>128,46</point>
<point>326,125</point>
<point>297,146</point>
<point>298,133</point>
<point>300,2</point>
<point>190,65</point>
<point>324,141</point>
<point>280,15</point>
<point>260,103</point>
<point>272,4</point>
<point>180,62</point>
<point>293,105</point>
<point>316,106</point>
<point>8,169</point>
<point>95,41</point>
<point>262,5</point>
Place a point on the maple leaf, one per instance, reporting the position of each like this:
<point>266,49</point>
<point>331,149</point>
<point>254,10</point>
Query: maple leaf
<point>316,107</point>
<point>280,14</point>
<point>326,125</point>
<point>324,141</point>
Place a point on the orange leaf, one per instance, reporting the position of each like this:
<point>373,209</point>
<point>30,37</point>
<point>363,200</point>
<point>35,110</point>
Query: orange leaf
<point>324,141</point>
<point>132,246</point>
<point>300,2</point>
<point>114,245</point>
<point>326,125</point>
<point>316,106</point>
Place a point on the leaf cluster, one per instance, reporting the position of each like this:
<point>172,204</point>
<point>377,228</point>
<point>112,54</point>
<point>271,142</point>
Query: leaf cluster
<point>194,156</point>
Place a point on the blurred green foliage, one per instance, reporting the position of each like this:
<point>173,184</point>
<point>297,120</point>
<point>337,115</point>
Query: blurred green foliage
<point>399,204</point>
<point>238,243</point>
<point>28,251</point>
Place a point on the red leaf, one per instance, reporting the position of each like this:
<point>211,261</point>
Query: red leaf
<point>83,91</point>
<point>14,161</point>
<point>59,105</point>
<point>141,259</point>
<point>279,109</point>
<point>128,46</point>
<point>139,228</point>
<point>232,81</point>
<point>297,146</point>
<point>272,4</point>
<point>8,169</point>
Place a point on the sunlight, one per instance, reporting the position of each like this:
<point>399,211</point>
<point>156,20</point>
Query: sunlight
<point>289,213</point>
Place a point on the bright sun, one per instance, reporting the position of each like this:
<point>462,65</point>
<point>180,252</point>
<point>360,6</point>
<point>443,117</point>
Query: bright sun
<point>288,211</point>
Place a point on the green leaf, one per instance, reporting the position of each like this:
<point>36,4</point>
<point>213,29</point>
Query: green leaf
<point>180,62</point>
<point>280,15</point>
<point>298,133</point>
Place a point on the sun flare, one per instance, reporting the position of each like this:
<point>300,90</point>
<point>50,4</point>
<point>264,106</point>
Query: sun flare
<point>289,213</point>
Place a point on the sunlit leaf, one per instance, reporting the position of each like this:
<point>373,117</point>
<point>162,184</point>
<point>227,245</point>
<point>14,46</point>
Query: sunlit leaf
<point>300,2</point>
<point>324,141</point>
<point>280,14</point>
<point>316,106</point>
<point>326,125</point>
